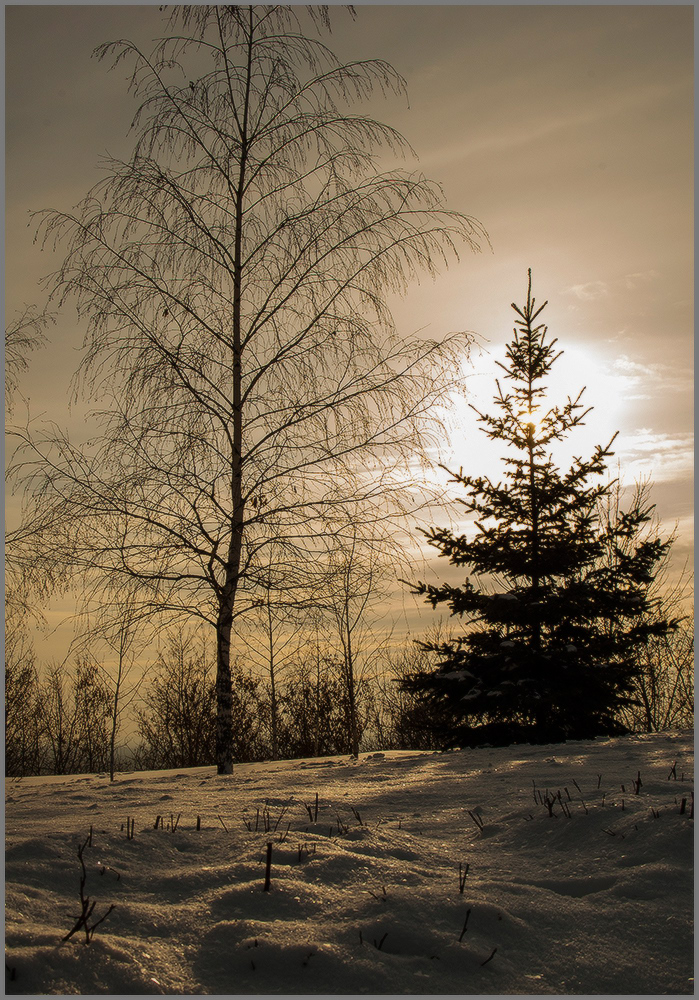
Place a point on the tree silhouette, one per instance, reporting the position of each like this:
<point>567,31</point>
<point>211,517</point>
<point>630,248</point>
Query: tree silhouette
<point>233,276</point>
<point>24,334</point>
<point>557,604</point>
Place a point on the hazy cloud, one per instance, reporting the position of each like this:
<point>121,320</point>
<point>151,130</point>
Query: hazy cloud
<point>590,290</point>
<point>660,457</point>
<point>640,278</point>
<point>644,381</point>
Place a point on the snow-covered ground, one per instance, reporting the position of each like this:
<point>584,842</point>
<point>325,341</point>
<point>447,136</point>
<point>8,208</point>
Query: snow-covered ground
<point>595,898</point>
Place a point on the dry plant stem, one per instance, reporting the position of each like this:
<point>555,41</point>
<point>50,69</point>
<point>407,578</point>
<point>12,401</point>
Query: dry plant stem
<point>87,905</point>
<point>268,868</point>
<point>476,819</point>
<point>464,928</point>
<point>382,898</point>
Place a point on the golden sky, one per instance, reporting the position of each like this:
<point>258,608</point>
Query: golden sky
<point>566,131</point>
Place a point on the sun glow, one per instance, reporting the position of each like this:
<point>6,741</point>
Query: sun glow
<point>532,420</point>
<point>580,366</point>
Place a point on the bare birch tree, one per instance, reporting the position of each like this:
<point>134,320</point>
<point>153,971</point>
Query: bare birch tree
<point>359,573</point>
<point>74,709</point>
<point>22,717</point>
<point>277,631</point>
<point>233,278</point>
<point>24,334</point>
<point>119,629</point>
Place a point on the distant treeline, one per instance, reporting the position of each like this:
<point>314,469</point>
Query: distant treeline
<point>60,720</point>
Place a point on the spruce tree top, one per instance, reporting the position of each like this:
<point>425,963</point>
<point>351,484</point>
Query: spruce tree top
<point>557,602</point>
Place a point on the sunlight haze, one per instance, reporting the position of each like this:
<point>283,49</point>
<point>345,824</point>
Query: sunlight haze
<point>565,131</point>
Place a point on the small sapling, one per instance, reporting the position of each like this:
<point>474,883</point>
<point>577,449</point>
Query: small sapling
<point>549,802</point>
<point>87,905</point>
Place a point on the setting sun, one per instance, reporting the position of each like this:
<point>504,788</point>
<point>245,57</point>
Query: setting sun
<point>606,394</point>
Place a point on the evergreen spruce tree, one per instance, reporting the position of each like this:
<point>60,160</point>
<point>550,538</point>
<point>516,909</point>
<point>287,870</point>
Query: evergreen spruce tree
<point>557,603</point>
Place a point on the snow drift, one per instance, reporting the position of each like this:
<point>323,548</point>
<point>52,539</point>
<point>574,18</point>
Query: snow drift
<point>519,870</point>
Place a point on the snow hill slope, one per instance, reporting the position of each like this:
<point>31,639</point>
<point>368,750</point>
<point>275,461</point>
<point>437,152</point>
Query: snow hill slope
<point>594,898</point>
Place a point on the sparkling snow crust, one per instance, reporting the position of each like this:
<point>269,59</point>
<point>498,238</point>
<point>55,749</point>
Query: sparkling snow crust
<point>595,898</point>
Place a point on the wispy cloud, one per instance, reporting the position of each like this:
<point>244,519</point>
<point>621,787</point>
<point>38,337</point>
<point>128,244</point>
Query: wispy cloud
<point>660,457</point>
<point>646,381</point>
<point>600,289</point>
<point>588,291</point>
<point>517,133</point>
<point>640,278</point>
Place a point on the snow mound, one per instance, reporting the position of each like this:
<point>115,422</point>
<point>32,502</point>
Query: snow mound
<point>520,870</point>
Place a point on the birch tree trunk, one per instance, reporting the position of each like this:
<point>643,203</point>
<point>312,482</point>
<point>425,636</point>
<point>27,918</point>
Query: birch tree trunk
<point>233,277</point>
